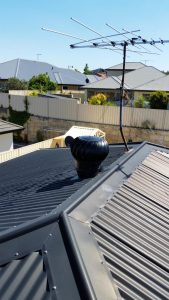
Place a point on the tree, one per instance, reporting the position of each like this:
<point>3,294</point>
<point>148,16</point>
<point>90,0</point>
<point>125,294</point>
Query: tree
<point>42,83</point>
<point>86,70</point>
<point>98,99</point>
<point>14,83</point>
<point>158,100</point>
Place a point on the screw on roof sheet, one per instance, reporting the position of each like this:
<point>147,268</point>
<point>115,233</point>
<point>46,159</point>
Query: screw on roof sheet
<point>54,287</point>
<point>50,234</point>
<point>45,251</point>
<point>16,254</point>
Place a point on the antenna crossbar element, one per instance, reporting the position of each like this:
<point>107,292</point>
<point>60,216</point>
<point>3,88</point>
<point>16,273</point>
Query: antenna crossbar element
<point>121,43</point>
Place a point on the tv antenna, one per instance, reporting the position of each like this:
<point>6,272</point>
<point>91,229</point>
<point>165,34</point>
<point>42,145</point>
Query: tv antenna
<point>112,42</point>
<point>38,56</point>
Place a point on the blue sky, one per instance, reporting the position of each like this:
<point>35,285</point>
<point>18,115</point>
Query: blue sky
<point>21,34</point>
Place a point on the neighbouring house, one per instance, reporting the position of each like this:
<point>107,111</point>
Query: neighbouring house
<point>129,67</point>
<point>62,237</point>
<point>6,134</point>
<point>25,69</point>
<point>141,81</point>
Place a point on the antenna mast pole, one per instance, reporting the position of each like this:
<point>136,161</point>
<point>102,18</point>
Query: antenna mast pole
<point>122,94</point>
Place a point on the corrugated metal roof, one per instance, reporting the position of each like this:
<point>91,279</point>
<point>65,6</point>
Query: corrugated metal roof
<point>24,70</point>
<point>109,83</point>
<point>141,76</point>
<point>6,127</point>
<point>129,66</point>
<point>160,84</point>
<point>24,279</point>
<point>133,231</point>
<point>36,183</point>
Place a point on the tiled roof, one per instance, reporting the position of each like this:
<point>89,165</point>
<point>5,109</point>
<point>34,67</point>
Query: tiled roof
<point>6,127</point>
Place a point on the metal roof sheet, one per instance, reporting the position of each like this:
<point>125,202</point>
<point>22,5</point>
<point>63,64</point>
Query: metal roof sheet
<point>129,66</point>
<point>160,84</point>
<point>141,76</point>
<point>35,184</point>
<point>24,70</point>
<point>109,83</point>
<point>24,279</point>
<point>6,127</point>
<point>132,230</point>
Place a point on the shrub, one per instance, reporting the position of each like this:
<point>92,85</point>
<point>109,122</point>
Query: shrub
<point>98,99</point>
<point>158,100</point>
<point>139,103</point>
<point>42,83</point>
<point>39,135</point>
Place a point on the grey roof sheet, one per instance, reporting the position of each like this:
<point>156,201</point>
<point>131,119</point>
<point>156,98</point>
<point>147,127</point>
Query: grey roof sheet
<point>124,241</point>
<point>132,231</point>
<point>109,83</point>
<point>24,279</point>
<point>6,127</point>
<point>24,70</point>
<point>35,184</point>
<point>141,76</point>
<point>129,66</point>
<point>160,84</point>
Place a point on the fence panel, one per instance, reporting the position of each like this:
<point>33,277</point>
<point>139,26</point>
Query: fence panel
<point>91,113</point>
<point>17,102</point>
<point>4,100</point>
<point>111,115</point>
<point>63,109</point>
<point>143,117</point>
<point>38,106</point>
<point>166,120</point>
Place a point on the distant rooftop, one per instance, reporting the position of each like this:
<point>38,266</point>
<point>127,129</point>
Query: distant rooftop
<point>129,66</point>
<point>6,127</point>
<point>24,69</point>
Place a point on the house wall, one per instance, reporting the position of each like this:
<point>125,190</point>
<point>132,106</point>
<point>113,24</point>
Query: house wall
<point>6,142</point>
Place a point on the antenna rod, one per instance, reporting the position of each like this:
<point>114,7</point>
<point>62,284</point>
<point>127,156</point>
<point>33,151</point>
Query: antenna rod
<point>82,24</point>
<point>122,95</point>
<point>65,34</point>
<point>119,32</point>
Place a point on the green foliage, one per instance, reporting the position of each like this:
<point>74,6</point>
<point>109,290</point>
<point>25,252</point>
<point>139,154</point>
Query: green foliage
<point>158,100</point>
<point>34,93</point>
<point>26,103</point>
<point>18,117</point>
<point>86,70</point>
<point>39,136</point>
<point>15,84</point>
<point>139,103</point>
<point>98,99</point>
<point>110,103</point>
<point>42,83</point>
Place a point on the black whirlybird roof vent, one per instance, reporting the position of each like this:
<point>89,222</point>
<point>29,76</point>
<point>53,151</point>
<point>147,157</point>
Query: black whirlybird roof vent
<point>88,152</point>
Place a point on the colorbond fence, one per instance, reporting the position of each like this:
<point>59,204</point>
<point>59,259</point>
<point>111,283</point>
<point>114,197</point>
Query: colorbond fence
<point>68,109</point>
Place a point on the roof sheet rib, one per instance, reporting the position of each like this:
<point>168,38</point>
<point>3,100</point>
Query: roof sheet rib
<point>132,230</point>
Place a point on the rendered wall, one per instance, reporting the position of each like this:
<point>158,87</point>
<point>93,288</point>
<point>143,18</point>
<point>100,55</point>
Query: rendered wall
<point>6,142</point>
